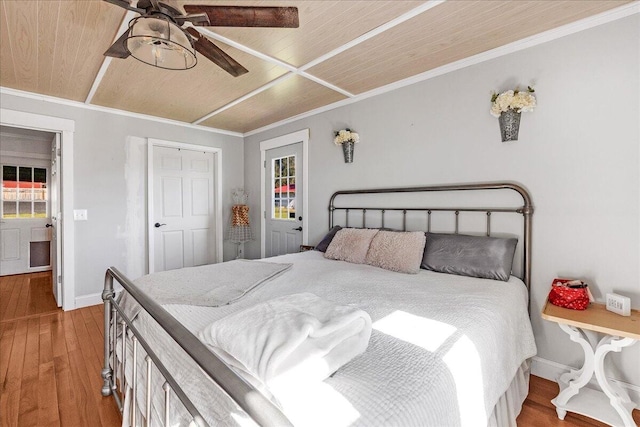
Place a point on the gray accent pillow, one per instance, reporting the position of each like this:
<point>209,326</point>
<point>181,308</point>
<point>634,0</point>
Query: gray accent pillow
<point>324,243</point>
<point>397,251</point>
<point>351,245</point>
<point>475,256</point>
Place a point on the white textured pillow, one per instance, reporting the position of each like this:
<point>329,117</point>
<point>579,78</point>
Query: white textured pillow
<point>397,251</point>
<point>351,245</point>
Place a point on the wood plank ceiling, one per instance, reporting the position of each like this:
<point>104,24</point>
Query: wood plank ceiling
<point>341,49</point>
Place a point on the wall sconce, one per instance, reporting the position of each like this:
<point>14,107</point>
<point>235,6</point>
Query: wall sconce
<point>508,106</point>
<point>347,138</point>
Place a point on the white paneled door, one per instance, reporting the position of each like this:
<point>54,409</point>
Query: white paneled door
<point>283,193</point>
<point>25,227</point>
<point>184,220</point>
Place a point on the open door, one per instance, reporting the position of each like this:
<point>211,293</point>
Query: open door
<point>56,231</point>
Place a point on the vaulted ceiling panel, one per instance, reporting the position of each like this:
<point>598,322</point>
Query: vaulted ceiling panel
<point>324,26</point>
<point>341,49</point>
<point>449,32</point>
<point>180,95</point>
<point>55,47</point>
<point>292,96</point>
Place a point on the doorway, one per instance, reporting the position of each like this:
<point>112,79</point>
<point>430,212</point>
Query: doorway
<point>28,203</point>
<point>285,234</point>
<point>61,203</point>
<point>283,192</point>
<point>184,205</point>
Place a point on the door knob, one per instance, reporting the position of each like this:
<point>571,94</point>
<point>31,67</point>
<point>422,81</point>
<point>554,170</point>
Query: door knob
<point>49,225</point>
<point>297,229</point>
<point>158,225</point>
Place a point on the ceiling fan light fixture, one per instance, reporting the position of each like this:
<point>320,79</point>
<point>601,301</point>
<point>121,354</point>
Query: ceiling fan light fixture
<point>157,41</point>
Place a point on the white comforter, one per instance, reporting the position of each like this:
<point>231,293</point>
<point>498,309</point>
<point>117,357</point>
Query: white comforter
<point>444,348</point>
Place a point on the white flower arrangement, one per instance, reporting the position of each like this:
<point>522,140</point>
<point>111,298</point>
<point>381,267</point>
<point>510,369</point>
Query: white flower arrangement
<point>345,135</point>
<point>513,100</point>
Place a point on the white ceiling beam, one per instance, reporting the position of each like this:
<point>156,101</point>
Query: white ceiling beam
<point>245,97</point>
<point>107,59</point>
<point>301,71</point>
<point>376,31</point>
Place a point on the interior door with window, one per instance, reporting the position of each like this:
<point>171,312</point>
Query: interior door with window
<point>183,217</point>
<point>283,222</point>
<point>25,237</point>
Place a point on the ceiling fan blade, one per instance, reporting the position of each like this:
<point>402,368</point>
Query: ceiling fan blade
<point>125,5</point>
<point>119,48</point>
<point>247,16</point>
<point>215,54</point>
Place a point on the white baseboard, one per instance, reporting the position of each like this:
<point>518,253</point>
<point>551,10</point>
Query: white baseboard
<point>550,370</point>
<point>89,300</point>
<point>93,299</point>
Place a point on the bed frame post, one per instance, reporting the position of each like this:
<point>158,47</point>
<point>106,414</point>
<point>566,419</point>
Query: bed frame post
<point>107,373</point>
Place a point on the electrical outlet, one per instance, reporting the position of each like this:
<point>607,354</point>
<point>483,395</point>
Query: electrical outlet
<point>619,304</point>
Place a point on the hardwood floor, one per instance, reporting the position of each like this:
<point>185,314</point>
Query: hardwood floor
<point>50,364</point>
<point>24,295</point>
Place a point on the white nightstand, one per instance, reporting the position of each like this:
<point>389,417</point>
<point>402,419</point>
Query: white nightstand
<point>612,407</point>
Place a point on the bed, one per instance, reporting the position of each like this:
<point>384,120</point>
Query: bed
<point>444,349</point>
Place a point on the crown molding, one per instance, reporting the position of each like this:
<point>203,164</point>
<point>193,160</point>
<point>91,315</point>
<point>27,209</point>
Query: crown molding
<point>81,105</point>
<point>535,40</point>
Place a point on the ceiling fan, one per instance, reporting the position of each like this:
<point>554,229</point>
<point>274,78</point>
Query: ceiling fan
<point>159,36</point>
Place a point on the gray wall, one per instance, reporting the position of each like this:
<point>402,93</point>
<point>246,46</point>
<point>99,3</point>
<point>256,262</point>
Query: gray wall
<point>578,155</point>
<point>110,182</point>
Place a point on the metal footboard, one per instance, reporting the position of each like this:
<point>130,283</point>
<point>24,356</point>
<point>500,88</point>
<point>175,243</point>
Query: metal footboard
<point>258,407</point>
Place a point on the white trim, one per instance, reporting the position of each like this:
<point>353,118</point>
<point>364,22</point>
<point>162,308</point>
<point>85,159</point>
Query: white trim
<point>245,97</point>
<point>551,371</point>
<point>107,59</point>
<point>299,71</point>
<point>70,103</point>
<point>535,40</point>
<point>33,156</point>
<point>281,141</point>
<point>151,143</point>
<point>89,300</point>
<point>376,31</point>
<point>66,128</point>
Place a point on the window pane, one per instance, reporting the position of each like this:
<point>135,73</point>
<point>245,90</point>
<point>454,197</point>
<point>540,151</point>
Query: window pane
<point>292,166</point>
<point>24,209</point>
<point>9,173</point>
<point>8,209</point>
<point>25,174</point>
<point>40,209</point>
<point>40,194</point>
<point>24,194</point>
<point>276,168</point>
<point>39,175</point>
<point>285,167</point>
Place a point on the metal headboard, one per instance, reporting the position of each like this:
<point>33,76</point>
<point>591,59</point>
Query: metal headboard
<point>526,210</point>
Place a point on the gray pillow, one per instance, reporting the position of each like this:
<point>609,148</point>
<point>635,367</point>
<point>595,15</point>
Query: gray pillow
<point>475,256</point>
<point>324,243</point>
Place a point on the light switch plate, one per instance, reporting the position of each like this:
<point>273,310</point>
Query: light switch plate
<point>80,214</point>
<point>619,304</point>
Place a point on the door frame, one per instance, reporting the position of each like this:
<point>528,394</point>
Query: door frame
<point>66,129</point>
<point>217,154</point>
<point>277,142</point>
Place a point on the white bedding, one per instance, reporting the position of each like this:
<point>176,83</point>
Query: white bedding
<point>443,350</point>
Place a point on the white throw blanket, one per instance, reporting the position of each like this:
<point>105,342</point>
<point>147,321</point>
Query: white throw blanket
<point>289,342</point>
<point>211,285</point>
